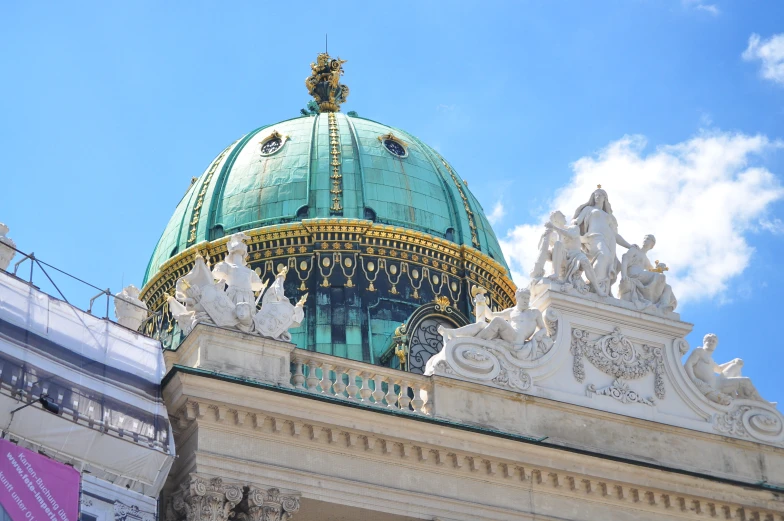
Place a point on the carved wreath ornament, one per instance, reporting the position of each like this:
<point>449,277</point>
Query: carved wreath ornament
<point>617,356</point>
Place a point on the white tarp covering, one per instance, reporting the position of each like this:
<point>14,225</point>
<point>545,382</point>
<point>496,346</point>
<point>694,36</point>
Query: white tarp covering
<point>105,378</point>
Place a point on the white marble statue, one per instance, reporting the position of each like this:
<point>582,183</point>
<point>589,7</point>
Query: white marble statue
<point>720,383</point>
<point>599,235</point>
<point>568,258</point>
<point>642,284</point>
<point>186,306</point>
<point>519,329</point>
<point>277,315</point>
<point>482,313</point>
<point>225,297</point>
<point>242,281</point>
<point>6,253</point>
<point>549,248</point>
<point>129,309</point>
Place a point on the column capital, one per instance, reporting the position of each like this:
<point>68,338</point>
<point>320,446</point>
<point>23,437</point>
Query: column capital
<point>269,505</point>
<point>206,499</point>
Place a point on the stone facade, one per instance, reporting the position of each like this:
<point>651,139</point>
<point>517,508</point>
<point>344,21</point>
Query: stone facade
<point>468,450</point>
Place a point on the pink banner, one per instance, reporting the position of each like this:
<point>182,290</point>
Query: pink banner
<point>36,488</point>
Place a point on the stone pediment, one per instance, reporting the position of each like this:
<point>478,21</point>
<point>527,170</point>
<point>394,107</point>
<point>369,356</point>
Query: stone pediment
<point>616,360</point>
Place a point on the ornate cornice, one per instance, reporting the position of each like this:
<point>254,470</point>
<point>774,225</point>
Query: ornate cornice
<point>481,466</point>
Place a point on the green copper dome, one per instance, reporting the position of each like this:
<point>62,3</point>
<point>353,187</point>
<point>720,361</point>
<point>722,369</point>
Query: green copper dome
<point>286,172</point>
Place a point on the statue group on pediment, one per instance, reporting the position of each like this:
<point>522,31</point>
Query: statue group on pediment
<point>584,259</point>
<point>229,294</point>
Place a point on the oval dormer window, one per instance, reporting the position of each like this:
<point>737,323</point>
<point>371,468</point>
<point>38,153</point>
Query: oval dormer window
<point>272,143</point>
<point>271,146</point>
<point>394,146</point>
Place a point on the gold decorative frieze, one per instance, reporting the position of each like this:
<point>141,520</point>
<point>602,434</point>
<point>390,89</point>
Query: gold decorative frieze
<point>337,177</point>
<point>353,248</point>
<point>469,212</point>
<point>196,212</point>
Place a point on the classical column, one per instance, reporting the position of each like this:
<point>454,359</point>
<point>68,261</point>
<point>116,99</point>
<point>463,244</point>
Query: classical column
<point>206,499</point>
<point>269,505</point>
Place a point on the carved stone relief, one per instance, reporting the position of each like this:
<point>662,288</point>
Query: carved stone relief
<point>617,356</point>
<point>749,421</point>
<point>621,391</point>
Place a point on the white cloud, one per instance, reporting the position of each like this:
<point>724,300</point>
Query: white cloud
<point>497,214</point>
<point>699,5</point>
<point>774,226</point>
<point>770,53</point>
<point>699,198</point>
<point>708,8</point>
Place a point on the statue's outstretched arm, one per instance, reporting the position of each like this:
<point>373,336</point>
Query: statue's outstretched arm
<point>623,242</point>
<point>505,314</point>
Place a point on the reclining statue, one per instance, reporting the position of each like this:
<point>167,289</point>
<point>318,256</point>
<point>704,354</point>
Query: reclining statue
<point>519,329</point>
<point>719,383</point>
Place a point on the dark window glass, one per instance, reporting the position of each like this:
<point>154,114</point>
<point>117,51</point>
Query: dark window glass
<point>271,146</point>
<point>394,147</point>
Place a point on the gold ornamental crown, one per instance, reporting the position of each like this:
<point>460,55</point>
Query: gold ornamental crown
<point>324,83</point>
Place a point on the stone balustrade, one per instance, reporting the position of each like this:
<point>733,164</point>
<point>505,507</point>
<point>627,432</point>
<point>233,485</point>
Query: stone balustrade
<point>362,383</point>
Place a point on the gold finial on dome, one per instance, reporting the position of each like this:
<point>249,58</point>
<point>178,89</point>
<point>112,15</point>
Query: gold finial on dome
<point>599,187</point>
<point>324,83</point>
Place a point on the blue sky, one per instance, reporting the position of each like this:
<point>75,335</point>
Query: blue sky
<point>109,109</point>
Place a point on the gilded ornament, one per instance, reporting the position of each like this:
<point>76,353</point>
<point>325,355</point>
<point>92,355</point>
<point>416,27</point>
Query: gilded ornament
<point>324,83</point>
<point>442,301</point>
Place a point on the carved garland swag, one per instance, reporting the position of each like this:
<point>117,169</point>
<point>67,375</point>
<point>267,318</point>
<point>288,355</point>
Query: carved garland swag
<point>617,356</point>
